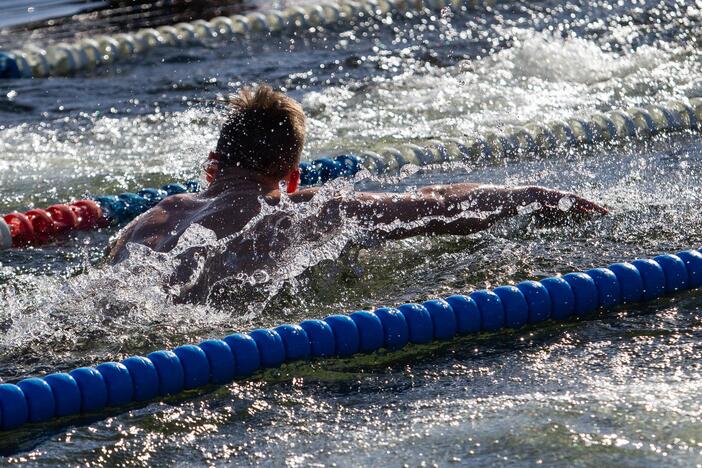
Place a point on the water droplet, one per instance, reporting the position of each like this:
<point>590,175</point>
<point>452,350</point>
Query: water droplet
<point>566,203</point>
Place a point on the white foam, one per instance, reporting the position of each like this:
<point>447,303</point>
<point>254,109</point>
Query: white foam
<point>571,60</point>
<point>541,77</point>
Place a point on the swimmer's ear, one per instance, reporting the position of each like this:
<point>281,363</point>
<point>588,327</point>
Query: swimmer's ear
<point>294,181</point>
<point>211,166</point>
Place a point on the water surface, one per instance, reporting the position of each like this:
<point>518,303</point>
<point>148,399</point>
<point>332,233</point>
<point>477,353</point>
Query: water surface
<point>618,388</point>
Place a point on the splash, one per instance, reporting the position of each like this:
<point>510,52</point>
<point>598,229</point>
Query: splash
<point>542,76</point>
<point>572,60</point>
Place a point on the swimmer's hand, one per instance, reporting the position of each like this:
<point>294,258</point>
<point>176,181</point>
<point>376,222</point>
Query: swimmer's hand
<point>554,206</point>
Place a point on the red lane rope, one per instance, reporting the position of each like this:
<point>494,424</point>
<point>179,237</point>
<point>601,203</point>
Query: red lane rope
<point>39,226</point>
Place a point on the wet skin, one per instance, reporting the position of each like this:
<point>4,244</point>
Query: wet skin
<point>234,199</point>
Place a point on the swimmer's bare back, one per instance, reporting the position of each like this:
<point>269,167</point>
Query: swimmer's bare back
<point>234,199</point>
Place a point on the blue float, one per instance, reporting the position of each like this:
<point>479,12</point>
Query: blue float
<point>174,188</point>
<point>246,355</point>
<point>328,169</point>
<point>295,342</point>
<point>630,282</point>
<point>467,313</point>
<point>118,382</point>
<point>134,204</point>
<point>370,331</point>
<point>270,347</point>
<point>419,323</point>
<point>350,164</point>
<point>13,407</point>
<point>345,334</point>
<point>675,271</point>
<point>40,399</point>
<point>396,332</point>
<point>562,297</point>
<point>492,313</point>
<point>144,377</point>
<point>514,304</point>
<point>443,318</point>
<point>538,300</point>
<point>693,262</point>
<point>93,391</point>
<point>220,359</point>
<point>113,208</point>
<point>152,196</point>
<point>321,337</point>
<point>584,291</point>
<point>8,67</point>
<point>196,367</point>
<point>607,284</point>
<point>66,394</point>
<point>653,278</point>
<point>308,174</point>
<point>193,186</point>
<point>170,372</point>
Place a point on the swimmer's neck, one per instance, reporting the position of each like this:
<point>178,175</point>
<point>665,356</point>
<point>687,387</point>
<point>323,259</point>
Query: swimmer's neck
<point>233,179</point>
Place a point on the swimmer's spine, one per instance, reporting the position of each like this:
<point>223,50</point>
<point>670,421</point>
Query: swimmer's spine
<point>215,362</point>
<point>88,53</point>
<point>35,227</point>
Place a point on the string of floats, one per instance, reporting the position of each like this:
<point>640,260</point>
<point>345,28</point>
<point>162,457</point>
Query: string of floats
<point>39,226</point>
<point>67,58</point>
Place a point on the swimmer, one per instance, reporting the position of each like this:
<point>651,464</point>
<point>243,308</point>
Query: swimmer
<point>258,155</point>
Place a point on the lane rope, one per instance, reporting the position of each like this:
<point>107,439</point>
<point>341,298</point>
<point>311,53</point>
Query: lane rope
<point>40,226</point>
<point>89,390</point>
<point>67,58</point>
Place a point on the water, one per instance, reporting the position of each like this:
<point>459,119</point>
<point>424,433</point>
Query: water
<point>618,388</point>
<point>18,12</point>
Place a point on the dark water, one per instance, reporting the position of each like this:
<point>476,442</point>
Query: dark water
<point>42,22</point>
<point>15,13</point>
<point>618,388</point>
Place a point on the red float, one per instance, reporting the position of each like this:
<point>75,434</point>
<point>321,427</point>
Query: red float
<point>89,214</point>
<point>21,229</point>
<point>64,217</point>
<point>44,227</point>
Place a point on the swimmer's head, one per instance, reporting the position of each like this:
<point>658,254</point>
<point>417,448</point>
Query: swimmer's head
<point>264,133</point>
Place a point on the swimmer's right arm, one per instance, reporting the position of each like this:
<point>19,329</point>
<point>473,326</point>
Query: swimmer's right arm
<point>459,209</point>
<point>146,229</point>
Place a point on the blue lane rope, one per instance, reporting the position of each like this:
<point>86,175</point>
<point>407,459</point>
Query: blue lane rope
<point>167,372</point>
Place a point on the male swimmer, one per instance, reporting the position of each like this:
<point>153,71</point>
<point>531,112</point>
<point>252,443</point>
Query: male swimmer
<point>258,152</point>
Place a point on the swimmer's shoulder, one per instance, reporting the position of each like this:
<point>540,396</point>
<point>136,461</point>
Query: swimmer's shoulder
<point>180,201</point>
<point>170,208</point>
